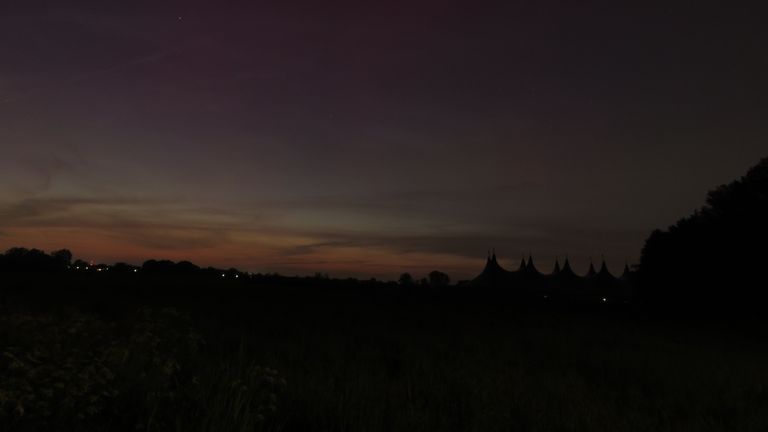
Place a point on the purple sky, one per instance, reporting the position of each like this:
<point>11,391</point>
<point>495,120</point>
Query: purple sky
<point>368,140</point>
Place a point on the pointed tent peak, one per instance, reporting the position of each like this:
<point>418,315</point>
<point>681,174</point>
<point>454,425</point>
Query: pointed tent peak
<point>493,256</point>
<point>604,273</point>
<point>566,264</point>
<point>603,266</point>
<point>487,263</point>
<point>522,263</point>
<point>530,267</point>
<point>591,271</point>
<point>556,270</point>
<point>627,272</point>
<point>566,271</point>
<point>492,268</point>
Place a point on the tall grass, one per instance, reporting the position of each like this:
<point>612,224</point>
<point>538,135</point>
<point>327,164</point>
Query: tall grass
<point>368,363</point>
<point>480,371</point>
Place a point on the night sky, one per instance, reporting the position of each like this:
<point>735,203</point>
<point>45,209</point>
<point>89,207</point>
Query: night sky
<point>370,139</point>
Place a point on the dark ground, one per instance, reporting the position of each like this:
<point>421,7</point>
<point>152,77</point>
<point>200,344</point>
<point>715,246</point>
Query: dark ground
<point>102,352</point>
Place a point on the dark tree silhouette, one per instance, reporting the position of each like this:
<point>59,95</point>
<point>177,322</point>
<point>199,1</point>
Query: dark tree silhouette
<point>154,266</point>
<point>62,257</point>
<point>439,279</point>
<point>166,267</point>
<point>405,279</point>
<point>716,256</point>
<point>186,267</point>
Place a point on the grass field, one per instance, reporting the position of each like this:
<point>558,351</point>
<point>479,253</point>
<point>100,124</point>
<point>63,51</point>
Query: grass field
<point>306,360</point>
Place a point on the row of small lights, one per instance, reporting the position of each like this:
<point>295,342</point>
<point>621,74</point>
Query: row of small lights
<point>101,269</point>
<point>237,276</point>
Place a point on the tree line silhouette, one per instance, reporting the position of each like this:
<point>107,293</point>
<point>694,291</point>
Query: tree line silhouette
<point>19,259</point>
<point>716,256</point>
<point>713,258</point>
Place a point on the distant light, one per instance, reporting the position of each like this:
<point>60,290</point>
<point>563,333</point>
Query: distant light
<point>77,268</point>
<point>237,276</point>
<point>546,296</point>
<point>135,270</point>
<point>223,275</point>
<point>605,299</point>
<point>98,270</point>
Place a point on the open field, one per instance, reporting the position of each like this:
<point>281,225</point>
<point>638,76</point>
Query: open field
<point>101,354</point>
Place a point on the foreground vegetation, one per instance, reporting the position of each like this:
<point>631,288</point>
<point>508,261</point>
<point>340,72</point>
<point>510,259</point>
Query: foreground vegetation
<point>100,353</point>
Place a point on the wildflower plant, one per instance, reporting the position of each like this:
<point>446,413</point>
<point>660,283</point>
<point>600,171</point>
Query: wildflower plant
<point>73,371</point>
<point>54,371</point>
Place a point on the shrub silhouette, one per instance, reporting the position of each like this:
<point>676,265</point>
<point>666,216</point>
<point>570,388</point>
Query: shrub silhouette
<point>715,256</point>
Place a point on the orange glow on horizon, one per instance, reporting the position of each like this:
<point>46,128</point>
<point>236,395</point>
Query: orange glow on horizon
<point>103,246</point>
